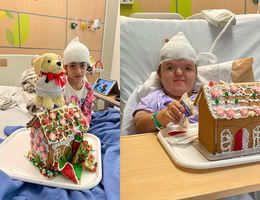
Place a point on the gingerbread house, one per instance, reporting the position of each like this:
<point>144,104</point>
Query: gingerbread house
<point>53,132</point>
<point>229,119</point>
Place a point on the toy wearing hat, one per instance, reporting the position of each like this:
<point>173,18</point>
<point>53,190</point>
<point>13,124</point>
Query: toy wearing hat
<point>50,85</point>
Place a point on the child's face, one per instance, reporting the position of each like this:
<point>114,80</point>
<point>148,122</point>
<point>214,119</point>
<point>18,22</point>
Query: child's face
<point>178,77</point>
<point>76,71</point>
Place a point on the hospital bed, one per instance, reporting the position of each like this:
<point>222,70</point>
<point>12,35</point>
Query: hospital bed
<point>105,125</point>
<point>10,88</point>
<point>141,40</point>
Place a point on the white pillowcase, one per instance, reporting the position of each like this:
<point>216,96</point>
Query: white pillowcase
<point>242,69</point>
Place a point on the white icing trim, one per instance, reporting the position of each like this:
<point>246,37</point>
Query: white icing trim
<point>245,138</point>
<point>226,138</point>
<point>256,137</point>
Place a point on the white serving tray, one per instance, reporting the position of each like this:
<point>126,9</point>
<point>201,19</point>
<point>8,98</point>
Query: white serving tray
<point>189,157</point>
<point>13,162</point>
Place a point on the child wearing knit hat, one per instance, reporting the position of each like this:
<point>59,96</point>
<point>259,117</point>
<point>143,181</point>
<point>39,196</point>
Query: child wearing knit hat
<point>77,89</point>
<point>177,73</point>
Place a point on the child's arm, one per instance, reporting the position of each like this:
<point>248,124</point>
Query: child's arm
<point>87,105</point>
<point>144,122</point>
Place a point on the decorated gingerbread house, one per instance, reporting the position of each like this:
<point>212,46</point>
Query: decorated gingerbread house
<point>229,119</point>
<point>54,132</point>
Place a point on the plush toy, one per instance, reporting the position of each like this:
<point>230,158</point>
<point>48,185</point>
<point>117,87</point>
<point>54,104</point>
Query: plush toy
<point>50,85</point>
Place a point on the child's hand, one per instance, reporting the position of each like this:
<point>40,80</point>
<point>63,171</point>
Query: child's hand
<point>172,113</point>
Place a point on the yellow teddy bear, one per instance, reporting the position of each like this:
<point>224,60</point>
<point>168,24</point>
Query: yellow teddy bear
<point>50,84</point>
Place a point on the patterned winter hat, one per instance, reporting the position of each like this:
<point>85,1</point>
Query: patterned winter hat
<point>178,47</point>
<point>75,52</point>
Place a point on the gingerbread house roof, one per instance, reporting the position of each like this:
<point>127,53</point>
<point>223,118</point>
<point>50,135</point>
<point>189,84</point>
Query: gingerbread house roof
<point>61,124</point>
<point>232,100</point>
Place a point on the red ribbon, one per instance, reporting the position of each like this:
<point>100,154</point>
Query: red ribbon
<point>57,77</point>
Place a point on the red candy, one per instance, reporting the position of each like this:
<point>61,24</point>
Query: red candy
<point>71,111</point>
<point>46,121</point>
<point>37,125</point>
<point>68,116</point>
<point>211,83</point>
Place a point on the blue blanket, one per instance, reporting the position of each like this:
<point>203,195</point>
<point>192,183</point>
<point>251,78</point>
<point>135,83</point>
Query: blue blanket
<point>106,126</point>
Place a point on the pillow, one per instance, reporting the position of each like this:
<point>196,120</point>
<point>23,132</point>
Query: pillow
<point>240,70</point>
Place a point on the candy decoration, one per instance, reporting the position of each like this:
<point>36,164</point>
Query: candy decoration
<point>37,124</point>
<point>230,113</point>
<point>52,115</point>
<point>238,139</point>
<point>31,135</point>
<point>52,136</point>
<point>38,139</point>
<point>90,163</point>
<point>226,94</point>
<point>257,89</point>
<point>233,89</point>
<point>76,143</point>
<point>81,153</point>
<point>220,112</point>
<point>215,93</point>
<point>254,95</point>
<point>46,121</point>
<point>63,122</point>
<point>68,116</point>
<point>217,101</point>
<point>72,172</point>
<point>84,122</point>
<point>257,110</point>
<point>76,115</point>
<point>236,100</point>
<point>244,112</point>
<point>211,83</point>
<point>75,129</point>
<point>71,111</point>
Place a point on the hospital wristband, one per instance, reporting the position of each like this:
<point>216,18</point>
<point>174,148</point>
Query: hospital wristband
<point>156,123</point>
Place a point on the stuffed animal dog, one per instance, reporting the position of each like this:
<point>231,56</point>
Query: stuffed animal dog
<point>50,85</point>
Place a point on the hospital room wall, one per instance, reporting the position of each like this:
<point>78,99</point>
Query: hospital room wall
<point>44,28</point>
<point>188,7</point>
<point>111,49</point>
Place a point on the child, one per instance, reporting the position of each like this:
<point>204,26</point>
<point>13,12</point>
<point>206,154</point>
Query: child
<point>177,73</point>
<point>77,89</point>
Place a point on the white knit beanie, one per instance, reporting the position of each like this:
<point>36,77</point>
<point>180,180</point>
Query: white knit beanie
<point>75,52</point>
<point>178,47</point>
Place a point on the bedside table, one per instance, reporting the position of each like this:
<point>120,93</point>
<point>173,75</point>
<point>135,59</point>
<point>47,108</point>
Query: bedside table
<point>109,99</point>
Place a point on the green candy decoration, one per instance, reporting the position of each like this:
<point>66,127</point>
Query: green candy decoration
<point>63,159</point>
<point>226,94</point>
<point>38,159</point>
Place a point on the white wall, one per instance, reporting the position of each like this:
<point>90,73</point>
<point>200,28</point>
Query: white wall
<point>115,71</point>
<point>112,9</point>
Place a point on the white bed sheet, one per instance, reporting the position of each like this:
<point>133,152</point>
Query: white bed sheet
<point>17,115</point>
